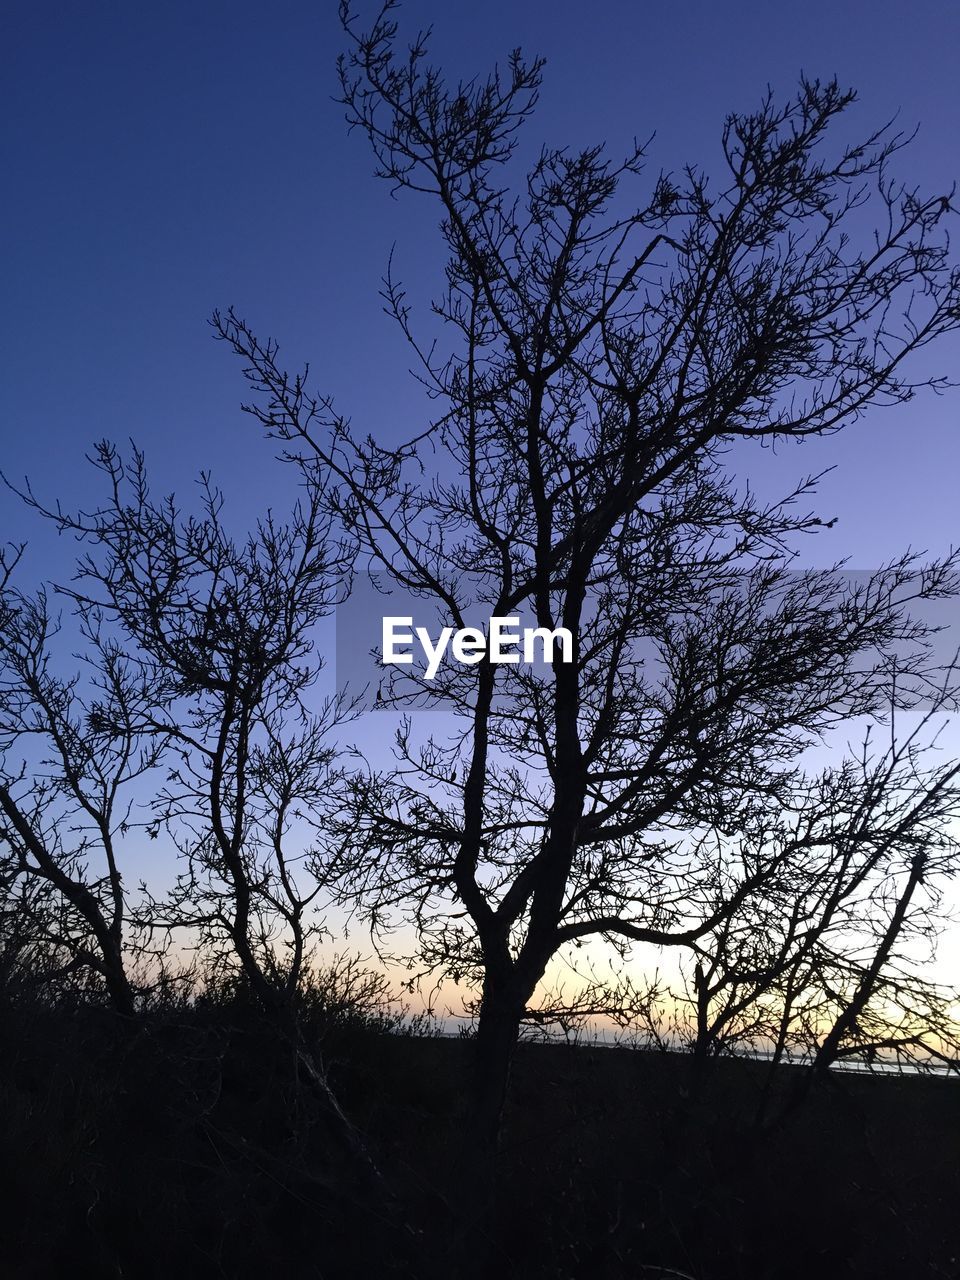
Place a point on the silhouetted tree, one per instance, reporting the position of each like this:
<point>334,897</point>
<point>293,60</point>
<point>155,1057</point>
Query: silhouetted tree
<point>830,957</point>
<point>71,754</point>
<point>609,362</point>
<point>221,636</point>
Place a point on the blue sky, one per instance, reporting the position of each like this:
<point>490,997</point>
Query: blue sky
<point>160,161</point>
<point>164,160</point>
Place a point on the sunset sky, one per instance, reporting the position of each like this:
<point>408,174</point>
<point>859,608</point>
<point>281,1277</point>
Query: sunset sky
<point>161,161</point>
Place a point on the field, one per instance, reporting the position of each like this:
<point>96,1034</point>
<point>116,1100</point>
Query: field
<point>187,1148</point>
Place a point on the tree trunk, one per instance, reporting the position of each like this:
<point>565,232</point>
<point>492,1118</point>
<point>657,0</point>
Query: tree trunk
<point>498,1029</point>
<point>118,985</point>
<point>474,1242</point>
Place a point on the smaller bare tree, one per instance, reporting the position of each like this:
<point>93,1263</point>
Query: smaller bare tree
<point>72,751</point>
<point>222,635</point>
<point>827,962</point>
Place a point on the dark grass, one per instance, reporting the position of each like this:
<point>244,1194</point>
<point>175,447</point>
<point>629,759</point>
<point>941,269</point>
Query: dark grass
<point>185,1147</point>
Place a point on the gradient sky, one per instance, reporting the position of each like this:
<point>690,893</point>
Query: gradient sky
<point>160,161</point>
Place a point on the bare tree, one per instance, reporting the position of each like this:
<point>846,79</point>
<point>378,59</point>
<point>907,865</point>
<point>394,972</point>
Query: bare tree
<point>605,360</point>
<point>830,957</point>
<point>33,961</point>
<point>222,636</point>
<point>72,751</point>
